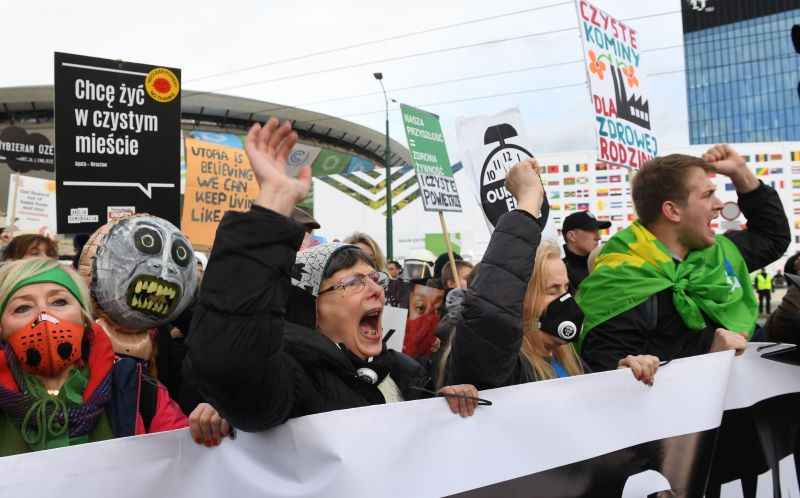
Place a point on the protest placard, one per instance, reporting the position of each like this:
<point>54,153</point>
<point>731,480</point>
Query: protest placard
<point>117,140</point>
<point>218,179</point>
<point>619,99</point>
<point>393,324</point>
<point>31,204</point>
<point>429,157</point>
<point>490,146</point>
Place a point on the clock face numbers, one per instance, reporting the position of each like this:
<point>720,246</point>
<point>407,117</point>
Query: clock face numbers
<point>496,200</point>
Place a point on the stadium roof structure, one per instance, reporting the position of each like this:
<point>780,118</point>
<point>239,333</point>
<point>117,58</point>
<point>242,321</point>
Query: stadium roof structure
<point>216,112</point>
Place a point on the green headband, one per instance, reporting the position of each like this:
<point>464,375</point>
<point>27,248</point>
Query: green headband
<point>55,275</point>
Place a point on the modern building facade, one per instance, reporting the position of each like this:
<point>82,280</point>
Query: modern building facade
<point>742,70</point>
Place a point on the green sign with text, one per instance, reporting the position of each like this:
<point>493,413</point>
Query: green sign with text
<point>429,157</point>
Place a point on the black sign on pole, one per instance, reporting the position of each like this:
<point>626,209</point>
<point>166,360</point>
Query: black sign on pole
<point>117,141</point>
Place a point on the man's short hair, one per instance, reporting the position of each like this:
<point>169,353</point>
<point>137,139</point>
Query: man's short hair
<point>447,272</point>
<point>660,180</point>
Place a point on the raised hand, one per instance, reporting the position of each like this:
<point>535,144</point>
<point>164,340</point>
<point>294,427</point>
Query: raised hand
<point>728,162</point>
<point>525,185</point>
<point>268,149</point>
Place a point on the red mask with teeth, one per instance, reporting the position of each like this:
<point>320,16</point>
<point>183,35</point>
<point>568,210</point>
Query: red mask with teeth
<point>47,346</point>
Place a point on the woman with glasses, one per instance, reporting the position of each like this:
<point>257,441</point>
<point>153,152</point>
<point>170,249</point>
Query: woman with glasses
<point>280,334</point>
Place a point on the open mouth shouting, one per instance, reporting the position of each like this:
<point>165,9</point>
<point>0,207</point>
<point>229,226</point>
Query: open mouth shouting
<point>370,325</point>
<point>151,295</point>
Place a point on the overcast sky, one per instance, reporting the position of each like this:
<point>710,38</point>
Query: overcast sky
<point>207,38</point>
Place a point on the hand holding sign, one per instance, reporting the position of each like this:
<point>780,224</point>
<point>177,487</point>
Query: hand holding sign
<point>525,185</point>
<point>268,149</point>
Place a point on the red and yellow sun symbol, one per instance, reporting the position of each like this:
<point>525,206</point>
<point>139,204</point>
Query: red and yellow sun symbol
<point>162,85</point>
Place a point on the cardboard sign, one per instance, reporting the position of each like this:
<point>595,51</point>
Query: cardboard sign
<point>490,146</point>
<point>117,140</point>
<point>218,179</point>
<point>619,99</point>
<point>31,204</point>
<point>393,322</point>
<point>429,156</point>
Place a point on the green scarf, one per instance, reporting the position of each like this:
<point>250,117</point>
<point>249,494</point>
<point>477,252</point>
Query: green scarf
<point>41,428</point>
<point>634,265</point>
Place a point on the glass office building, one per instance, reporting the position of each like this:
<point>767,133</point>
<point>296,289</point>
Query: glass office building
<point>742,70</point>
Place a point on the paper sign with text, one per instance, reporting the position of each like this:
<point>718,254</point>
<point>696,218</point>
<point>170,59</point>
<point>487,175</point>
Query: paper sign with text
<point>429,156</point>
<point>218,179</point>
<point>31,204</point>
<point>117,140</point>
<point>623,118</point>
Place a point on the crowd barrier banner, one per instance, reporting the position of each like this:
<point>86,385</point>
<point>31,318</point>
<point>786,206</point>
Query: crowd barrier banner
<point>118,140</point>
<point>619,99</point>
<point>594,435</point>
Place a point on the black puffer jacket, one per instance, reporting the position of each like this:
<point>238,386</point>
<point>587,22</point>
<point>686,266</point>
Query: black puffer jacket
<point>486,346</point>
<point>256,368</point>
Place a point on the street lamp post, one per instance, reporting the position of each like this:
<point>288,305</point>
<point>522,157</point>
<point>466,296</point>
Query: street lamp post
<point>387,156</point>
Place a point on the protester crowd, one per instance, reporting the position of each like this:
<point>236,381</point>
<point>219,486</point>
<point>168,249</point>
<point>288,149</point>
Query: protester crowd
<point>278,327</point>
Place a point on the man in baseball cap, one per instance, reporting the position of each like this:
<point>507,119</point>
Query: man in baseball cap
<point>581,232</point>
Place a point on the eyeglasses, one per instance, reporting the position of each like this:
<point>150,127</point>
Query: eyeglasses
<point>356,283</point>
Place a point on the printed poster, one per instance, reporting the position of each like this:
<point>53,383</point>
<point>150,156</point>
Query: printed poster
<point>117,140</point>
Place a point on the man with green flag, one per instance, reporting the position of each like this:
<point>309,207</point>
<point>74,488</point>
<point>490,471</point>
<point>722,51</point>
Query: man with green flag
<point>667,286</point>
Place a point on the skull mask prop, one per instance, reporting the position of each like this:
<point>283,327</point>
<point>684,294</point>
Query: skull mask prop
<point>142,274</point>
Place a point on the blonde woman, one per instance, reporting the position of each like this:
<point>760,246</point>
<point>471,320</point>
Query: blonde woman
<point>522,284</point>
<point>370,248</point>
<point>549,355</point>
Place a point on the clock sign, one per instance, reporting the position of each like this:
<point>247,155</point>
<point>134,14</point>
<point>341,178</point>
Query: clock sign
<point>496,200</point>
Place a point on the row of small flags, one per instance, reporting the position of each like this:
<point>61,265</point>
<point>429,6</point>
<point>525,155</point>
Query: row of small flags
<point>579,168</point>
<point>776,184</point>
<point>762,158</point>
<point>613,191</point>
<point>761,171</point>
<point>600,166</point>
<point>610,179</point>
<point>600,206</point>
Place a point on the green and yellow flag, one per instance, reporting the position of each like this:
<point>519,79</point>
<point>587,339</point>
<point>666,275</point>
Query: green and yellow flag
<point>634,264</point>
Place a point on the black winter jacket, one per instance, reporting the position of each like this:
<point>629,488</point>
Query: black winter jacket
<point>254,367</point>
<point>655,327</point>
<point>486,346</point>
<point>577,268</point>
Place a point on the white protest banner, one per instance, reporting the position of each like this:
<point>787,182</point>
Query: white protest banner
<point>31,204</point>
<point>618,91</point>
<point>393,323</point>
<point>431,162</point>
<point>602,434</point>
